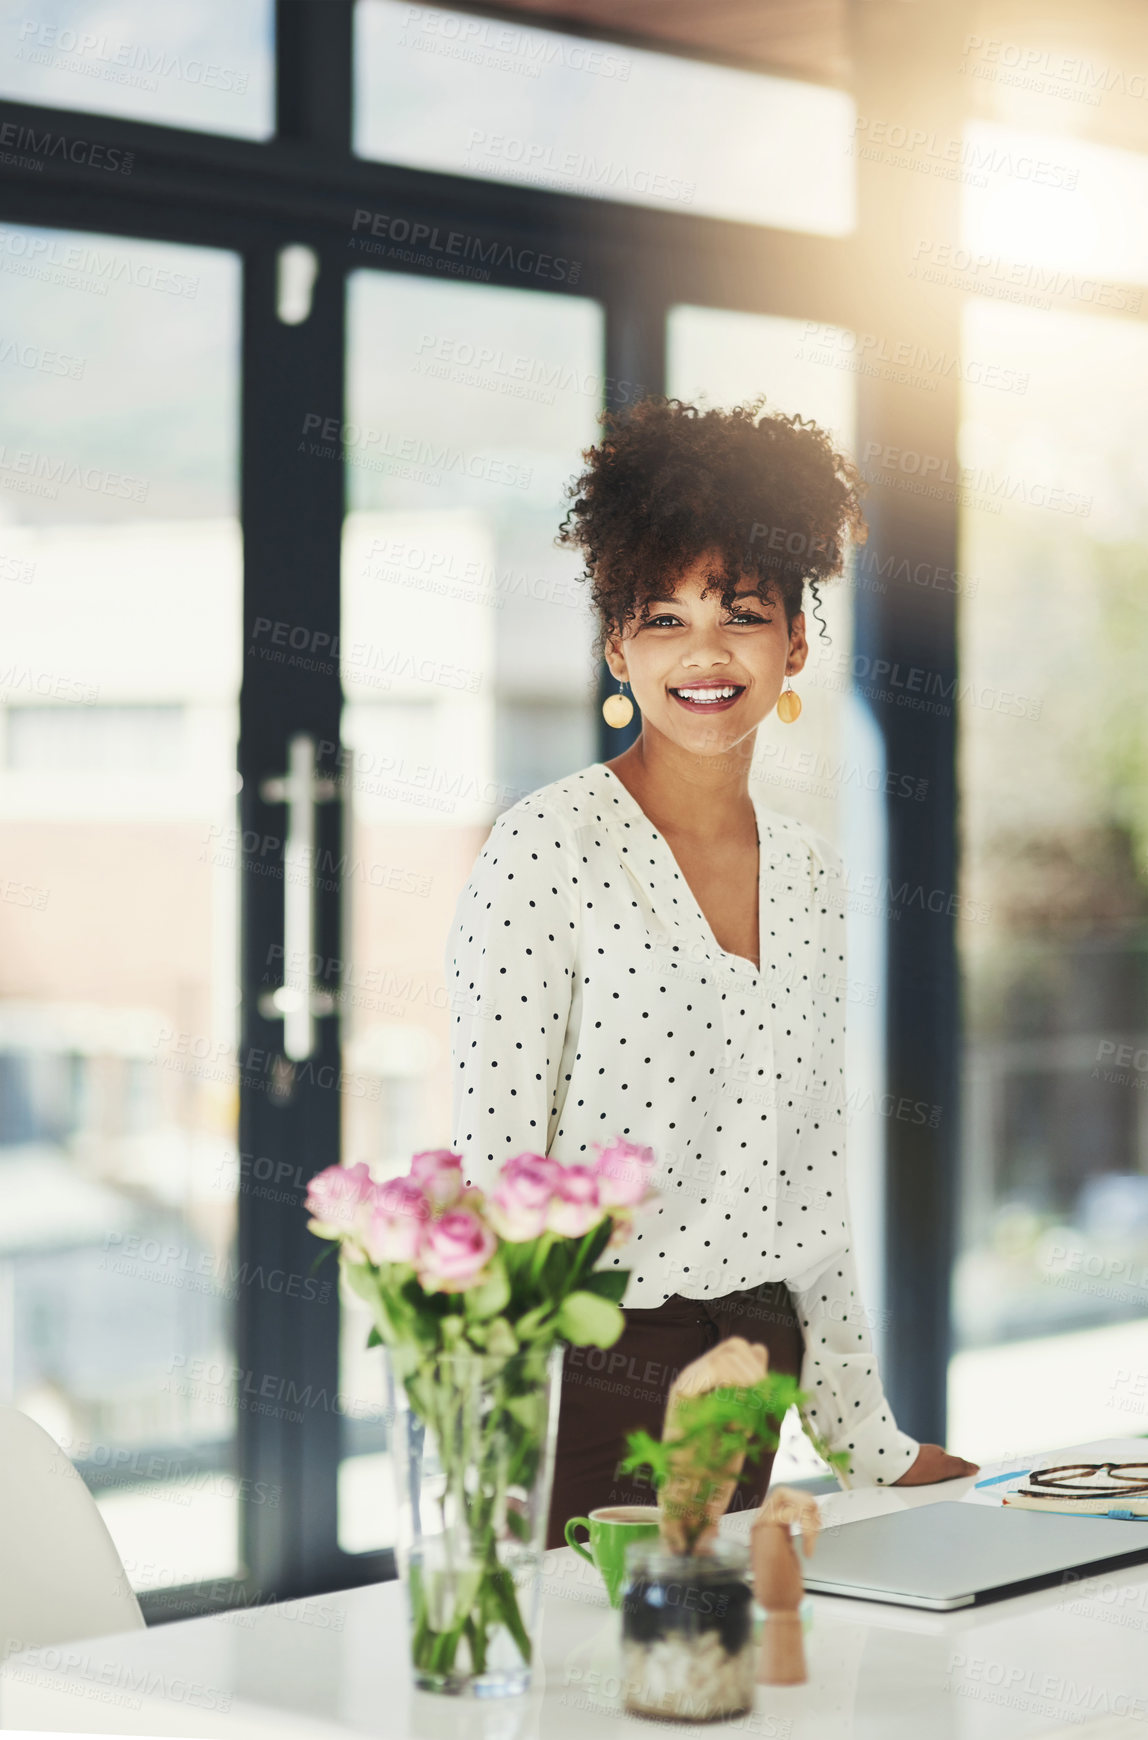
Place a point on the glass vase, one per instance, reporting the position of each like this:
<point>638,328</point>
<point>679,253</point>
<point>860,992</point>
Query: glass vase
<point>473,1454</point>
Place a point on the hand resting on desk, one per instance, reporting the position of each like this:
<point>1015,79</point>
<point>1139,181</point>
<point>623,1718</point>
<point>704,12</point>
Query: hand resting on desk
<point>935,1463</point>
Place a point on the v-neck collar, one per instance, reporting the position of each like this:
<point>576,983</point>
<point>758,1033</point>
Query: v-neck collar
<point>625,798</point>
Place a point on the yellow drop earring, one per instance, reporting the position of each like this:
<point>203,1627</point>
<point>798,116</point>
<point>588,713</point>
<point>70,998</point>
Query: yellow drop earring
<point>618,710</point>
<point>788,705</point>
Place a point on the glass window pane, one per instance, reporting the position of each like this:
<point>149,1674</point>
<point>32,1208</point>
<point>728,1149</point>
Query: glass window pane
<point>120,580</point>
<point>207,64</point>
<point>466,660</point>
<point>1059,206</point>
<point>716,357</point>
<point>826,768</point>
<point>1050,1290</point>
<point>507,102</point>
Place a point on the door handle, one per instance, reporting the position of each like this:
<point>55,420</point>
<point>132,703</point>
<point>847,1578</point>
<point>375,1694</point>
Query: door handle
<point>298,1002</point>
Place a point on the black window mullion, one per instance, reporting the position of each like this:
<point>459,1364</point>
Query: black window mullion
<point>313,72</point>
<point>288,1319</point>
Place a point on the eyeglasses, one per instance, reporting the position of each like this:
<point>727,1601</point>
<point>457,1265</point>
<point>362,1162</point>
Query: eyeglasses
<point>1089,1480</point>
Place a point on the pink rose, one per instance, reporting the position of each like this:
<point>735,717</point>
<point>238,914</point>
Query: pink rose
<point>393,1220</point>
<point>518,1208</point>
<point>574,1207</point>
<point>438,1172</point>
<point>623,1171</point>
<point>334,1198</point>
<point>455,1250</point>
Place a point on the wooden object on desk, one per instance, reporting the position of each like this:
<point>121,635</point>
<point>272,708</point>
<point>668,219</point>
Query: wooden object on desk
<point>778,1583</point>
<point>686,1496</point>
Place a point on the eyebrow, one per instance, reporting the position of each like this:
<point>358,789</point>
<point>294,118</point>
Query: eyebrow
<point>672,598</point>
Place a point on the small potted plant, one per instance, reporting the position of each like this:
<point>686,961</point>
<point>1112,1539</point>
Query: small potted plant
<point>687,1604</point>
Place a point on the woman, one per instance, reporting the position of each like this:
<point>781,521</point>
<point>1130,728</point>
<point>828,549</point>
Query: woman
<point>644,949</point>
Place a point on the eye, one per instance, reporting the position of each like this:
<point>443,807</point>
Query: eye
<point>749,616</point>
<point>662,621</point>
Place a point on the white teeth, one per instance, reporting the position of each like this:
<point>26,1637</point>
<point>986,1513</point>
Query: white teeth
<point>706,694</point>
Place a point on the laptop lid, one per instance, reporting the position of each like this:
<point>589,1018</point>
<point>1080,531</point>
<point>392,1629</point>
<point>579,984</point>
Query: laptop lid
<point>950,1555</point>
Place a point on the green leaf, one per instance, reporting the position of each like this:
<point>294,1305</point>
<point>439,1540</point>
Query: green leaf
<point>646,1452</point>
<point>363,1279</point>
<point>588,1320</point>
<point>608,1284</point>
<point>529,1324</point>
<point>374,1339</point>
<point>491,1296</point>
<point>500,1339</point>
<point>322,1258</point>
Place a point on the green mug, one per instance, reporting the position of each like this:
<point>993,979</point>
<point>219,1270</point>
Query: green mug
<point>611,1530</point>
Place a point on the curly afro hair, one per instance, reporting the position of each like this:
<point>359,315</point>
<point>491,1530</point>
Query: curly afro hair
<point>767,494</point>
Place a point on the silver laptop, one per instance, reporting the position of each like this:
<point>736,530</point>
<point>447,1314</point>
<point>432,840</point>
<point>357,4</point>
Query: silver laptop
<point>950,1555</point>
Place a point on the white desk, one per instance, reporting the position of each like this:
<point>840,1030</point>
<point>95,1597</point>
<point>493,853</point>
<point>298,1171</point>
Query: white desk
<point>1059,1662</point>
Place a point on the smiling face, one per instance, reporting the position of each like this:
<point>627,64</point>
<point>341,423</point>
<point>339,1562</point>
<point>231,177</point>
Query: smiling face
<point>703,676</point>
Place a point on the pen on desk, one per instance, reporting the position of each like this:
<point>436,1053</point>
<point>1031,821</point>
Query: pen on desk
<point>995,1479</point>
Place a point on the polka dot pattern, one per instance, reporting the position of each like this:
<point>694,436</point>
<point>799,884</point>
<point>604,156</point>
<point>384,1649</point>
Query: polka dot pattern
<point>591,998</point>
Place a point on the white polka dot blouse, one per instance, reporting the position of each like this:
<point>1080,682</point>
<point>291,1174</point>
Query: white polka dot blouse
<point>591,999</point>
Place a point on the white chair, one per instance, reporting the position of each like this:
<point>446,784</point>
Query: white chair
<point>60,1575</point>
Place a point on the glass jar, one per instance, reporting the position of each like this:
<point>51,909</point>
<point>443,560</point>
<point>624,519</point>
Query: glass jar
<point>687,1633</point>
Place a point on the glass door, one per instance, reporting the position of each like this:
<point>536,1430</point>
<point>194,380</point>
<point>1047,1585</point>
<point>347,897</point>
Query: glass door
<point>120,593</point>
<point>469,682</point>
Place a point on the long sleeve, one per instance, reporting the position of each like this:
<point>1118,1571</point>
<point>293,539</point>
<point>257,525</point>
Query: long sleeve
<point>511,976</point>
<point>839,1371</point>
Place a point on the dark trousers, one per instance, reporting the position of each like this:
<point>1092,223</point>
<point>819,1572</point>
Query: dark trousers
<point>607,1393</point>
